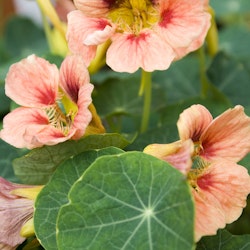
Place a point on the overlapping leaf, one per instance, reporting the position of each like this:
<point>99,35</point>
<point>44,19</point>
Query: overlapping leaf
<point>129,201</point>
<point>39,164</point>
<point>55,193</point>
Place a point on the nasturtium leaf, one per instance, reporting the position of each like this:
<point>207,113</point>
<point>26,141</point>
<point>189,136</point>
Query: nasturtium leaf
<point>228,7</point>
<point>224,241</point>
<point>235,40</point>
<point>166,133</point>
<point>55,193</point>
<point>31,38</point>
<point>231,77</point>
<point>128,101</point>
<point>216,105</point>
<point>180,81</point>
<point>39,164</point>
<point>8,153</point>
<point>127,201</point>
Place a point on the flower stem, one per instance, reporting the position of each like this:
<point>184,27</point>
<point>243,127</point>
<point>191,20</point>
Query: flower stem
<point>146,90</point>
<point>212,36</point>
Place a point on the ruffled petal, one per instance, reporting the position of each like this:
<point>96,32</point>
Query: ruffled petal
<point>178,154</point>
<point>94,8</point>
<point>128,52</point>
<point>193,121</point>
<point>84,116</point>
<point>195,44</point>
<point>101,35</point>
<point>32,82</point>
<point>73,75</point>
<point>79,28</point>
<point>49,135</point>
<point>21,121</point>
<point>228,136</point>
<point>220,196</point>
<point>183,17</point>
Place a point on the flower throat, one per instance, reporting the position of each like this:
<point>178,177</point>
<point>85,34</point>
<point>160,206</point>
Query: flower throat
<point>133,15</point>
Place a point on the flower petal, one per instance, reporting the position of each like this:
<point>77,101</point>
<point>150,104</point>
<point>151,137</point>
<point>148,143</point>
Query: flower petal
<point>220,196</point>
<point>178,154</point>
<point>79,28</point>
<point>14,212</point>
<point>73,75</point>
<point>183,17</point>
<point>84,116</point>
<point>93,8</point>
<point>193,121</point>
<point>128,52</point>
<point>228,136</point>
<point>18,122</point>
<point>32,82</point>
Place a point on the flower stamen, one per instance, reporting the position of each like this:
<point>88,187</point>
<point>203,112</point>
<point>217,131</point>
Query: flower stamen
<point>58,119</point>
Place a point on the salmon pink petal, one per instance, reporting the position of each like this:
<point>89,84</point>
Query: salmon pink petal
<point>82,29</point>
<point>195,44</point>
<point>228,136</point>
<point>193,121</point>
<point>32,82</point>
<point>49,135</point>
<point>220,197</point>
<point>94,8</point>
<point>183,17</point>
<point>73,75</point>
<point>20,121</point>
<point>178,154</point>
<point>84,116</point>
<point>100,36</point>
<point>128,52</point>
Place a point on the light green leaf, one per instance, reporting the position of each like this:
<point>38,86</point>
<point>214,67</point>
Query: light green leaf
<point>55,194</point>
<point>39,164</point>
<point>128,201</point>
<point>224,241</point>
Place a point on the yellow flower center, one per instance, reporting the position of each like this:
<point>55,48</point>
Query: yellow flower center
<point>133,15</point>
<point>61,115</point>
<point>198,168</point>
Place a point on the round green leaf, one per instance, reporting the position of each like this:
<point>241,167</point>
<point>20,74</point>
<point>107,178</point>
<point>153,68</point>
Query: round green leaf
<point>127,201</point>
<point>55,194</point>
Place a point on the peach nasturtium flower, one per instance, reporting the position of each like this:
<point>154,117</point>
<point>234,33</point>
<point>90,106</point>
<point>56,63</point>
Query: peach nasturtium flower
<point>54,103</point>
<point>144,33</point>
<point>16,209</point>
<point>218,184</point>
<point>225,137</point>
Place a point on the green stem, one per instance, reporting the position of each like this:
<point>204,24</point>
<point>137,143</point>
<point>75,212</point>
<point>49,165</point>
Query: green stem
<point>212,38</point>
<point>146,90</point>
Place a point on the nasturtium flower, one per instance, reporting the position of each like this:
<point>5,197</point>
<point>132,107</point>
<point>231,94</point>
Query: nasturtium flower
<point>146,34</point>
<point>218,184</point>
<point>54,103</point>
<point>16,209</point>
<point>220,191</point>
<point>225,137</point>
